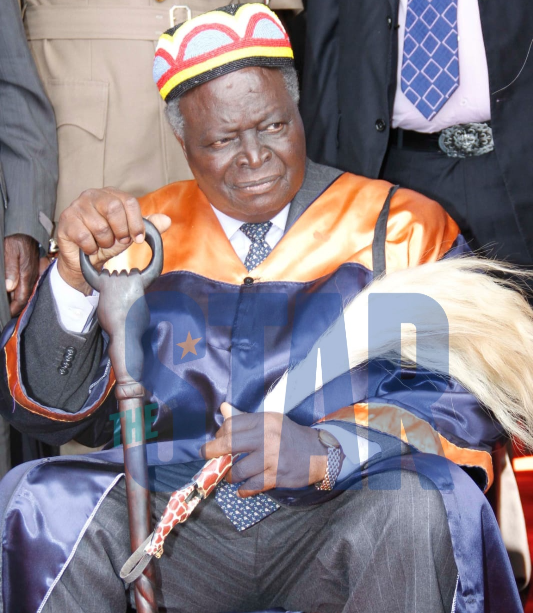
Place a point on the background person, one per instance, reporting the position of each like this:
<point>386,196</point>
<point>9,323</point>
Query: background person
<point>28,175</point>
<point>384,79</point>
<point>435,97</point>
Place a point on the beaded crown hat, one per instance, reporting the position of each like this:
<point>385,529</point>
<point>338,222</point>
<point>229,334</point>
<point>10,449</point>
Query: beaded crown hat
<point>217,43</point>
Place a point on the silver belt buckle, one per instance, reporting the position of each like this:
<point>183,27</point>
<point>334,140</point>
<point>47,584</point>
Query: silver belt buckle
<point>466,140</point>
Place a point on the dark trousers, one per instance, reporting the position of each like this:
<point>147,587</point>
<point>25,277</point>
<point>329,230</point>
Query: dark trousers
<point>472,190</point>
<point>366,551</point>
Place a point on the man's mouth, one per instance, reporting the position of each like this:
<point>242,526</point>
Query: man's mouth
<point>260,186</point>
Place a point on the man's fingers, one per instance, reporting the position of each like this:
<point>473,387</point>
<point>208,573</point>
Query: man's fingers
<point>27,277</point>
<point>22,268</point>
<point>103,219</point>
<point>102,223</point>
<point>217,447</point>
<point>115,215</point>
<point>246,441</point>
<point>248,424</point>
<point>228,410</point>
<point>95,224</point>
<point>78,234</point>
<point>161,222</point>
<point>250,466</point>
<point>237,421</point>
<point>11,263</point>
<point>256,485</point>
<point>109,216</point>
<point>134,216</point>
<point>20,297</point>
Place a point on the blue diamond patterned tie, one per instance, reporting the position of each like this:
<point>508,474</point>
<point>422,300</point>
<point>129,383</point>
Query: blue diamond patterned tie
<point>259,248</point>
<point>430,66</point>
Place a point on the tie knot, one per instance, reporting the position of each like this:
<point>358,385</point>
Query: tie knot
<point>256,232</point>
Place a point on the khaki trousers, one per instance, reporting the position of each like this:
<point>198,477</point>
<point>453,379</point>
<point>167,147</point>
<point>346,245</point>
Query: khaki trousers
<point>95,60</point>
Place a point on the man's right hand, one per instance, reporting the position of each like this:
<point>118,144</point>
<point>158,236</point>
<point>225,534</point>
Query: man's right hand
<point>103,223</point>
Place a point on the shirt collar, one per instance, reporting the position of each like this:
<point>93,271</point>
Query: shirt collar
<point>231,225</point>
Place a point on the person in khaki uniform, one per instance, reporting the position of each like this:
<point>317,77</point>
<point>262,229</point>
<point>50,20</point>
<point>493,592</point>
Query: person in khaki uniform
<point>95,60</point>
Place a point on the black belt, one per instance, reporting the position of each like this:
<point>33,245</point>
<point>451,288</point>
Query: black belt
<point>407,139</point>
<point>464,140</point>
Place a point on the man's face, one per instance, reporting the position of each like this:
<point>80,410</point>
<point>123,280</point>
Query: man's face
<point>245,143</point>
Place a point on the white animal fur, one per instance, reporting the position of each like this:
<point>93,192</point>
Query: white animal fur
<point>490,335</point>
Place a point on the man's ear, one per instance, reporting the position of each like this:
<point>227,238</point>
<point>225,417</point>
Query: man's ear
<point>182,143</point>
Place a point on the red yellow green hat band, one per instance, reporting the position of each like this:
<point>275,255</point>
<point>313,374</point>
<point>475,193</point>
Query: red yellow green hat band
<point>216,43</point>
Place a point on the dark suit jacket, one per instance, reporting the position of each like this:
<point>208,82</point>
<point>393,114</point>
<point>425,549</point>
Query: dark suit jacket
<point>28,144</point>
<point>350,80</point>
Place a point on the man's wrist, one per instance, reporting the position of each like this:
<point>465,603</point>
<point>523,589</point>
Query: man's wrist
<point>74,278</point>
<point>334,459</point>
<point>319,459</point>
<point>75,310</point>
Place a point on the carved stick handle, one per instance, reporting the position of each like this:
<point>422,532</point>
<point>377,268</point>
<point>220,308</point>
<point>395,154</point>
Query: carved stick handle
<point>119,294</point>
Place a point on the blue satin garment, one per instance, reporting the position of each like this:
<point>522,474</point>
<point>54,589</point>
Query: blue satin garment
<point>246,337</point>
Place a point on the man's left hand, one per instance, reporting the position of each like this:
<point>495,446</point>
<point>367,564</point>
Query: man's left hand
<point>21,255</point>
<point>281,453</point>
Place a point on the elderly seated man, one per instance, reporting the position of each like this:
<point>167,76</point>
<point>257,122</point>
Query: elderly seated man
<point>262,250</point>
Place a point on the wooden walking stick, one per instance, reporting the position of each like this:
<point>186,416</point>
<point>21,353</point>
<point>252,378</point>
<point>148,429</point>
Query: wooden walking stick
<point>118,293</point>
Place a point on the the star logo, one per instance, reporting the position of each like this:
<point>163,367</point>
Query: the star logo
<point>189,345</point>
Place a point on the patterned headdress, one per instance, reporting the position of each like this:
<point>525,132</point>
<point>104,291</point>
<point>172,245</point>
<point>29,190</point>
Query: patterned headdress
<point>219,42</point>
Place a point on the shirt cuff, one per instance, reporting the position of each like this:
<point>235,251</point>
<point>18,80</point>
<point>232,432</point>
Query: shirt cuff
<point>357,449</point>
<point>74,308</point>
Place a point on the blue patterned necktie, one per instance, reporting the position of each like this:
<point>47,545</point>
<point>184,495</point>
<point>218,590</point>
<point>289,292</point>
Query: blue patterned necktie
<point>245,512</point>
<point>259,248</point>
<point>430,67</point>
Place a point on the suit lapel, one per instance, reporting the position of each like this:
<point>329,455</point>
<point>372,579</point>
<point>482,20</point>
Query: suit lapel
<point>317,179</point>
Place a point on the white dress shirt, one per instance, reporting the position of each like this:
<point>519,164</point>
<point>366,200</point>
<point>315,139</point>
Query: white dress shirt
<point>76,312</point>
<point>240,242</point>
<point>471,100</point>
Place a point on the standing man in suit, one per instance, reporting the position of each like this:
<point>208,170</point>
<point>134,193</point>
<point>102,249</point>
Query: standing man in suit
<point>28,174</point>
<point>435,96</point>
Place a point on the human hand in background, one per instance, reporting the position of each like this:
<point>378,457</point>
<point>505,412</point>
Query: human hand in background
<point>21,256</point>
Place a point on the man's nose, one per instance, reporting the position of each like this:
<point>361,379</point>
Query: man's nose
<point>253,153</point>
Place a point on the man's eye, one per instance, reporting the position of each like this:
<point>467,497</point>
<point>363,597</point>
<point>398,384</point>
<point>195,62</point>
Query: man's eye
<point>274,127</point>
<point>221,142</point>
